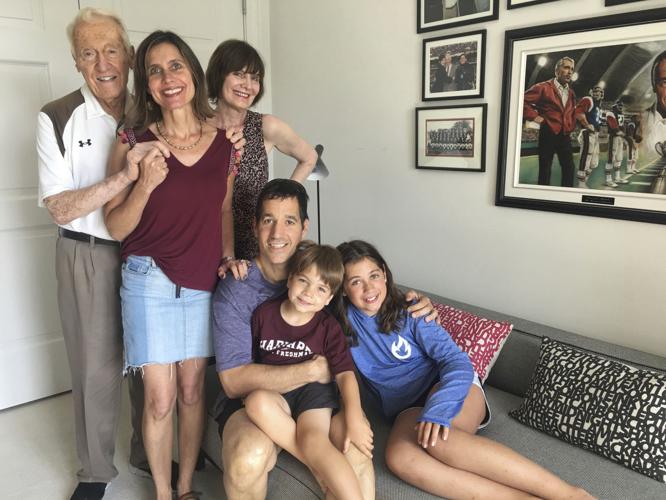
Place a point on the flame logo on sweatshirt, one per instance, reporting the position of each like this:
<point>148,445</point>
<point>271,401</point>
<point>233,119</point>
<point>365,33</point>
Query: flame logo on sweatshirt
<point>401,348</point>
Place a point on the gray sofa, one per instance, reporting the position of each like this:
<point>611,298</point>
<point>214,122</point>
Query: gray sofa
<point>505,387</point>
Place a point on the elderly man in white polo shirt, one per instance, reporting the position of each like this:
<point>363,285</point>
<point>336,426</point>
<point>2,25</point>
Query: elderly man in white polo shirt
<point>74,137</point>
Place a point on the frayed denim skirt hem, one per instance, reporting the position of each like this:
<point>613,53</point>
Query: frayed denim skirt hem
<point>162,323</point>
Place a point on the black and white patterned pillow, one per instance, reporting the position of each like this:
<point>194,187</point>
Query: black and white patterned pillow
<point>612,409</point>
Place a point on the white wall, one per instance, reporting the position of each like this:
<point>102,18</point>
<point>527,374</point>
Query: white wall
<point>348,74</point>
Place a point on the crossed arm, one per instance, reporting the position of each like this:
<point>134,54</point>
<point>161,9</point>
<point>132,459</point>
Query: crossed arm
<point>238,382</point>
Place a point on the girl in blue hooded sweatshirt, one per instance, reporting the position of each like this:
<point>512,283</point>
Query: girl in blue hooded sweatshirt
<point>427,387</point>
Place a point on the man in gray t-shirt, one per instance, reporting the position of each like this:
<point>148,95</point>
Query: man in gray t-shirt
<point>248,455</point>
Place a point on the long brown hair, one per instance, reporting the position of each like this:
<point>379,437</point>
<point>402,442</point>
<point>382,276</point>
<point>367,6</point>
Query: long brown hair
<point>145,111</point>
<point>391,316</point>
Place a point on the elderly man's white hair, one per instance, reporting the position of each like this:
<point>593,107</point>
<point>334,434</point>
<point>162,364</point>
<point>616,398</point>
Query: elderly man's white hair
<point>560,62</point>
<point>92,15</point>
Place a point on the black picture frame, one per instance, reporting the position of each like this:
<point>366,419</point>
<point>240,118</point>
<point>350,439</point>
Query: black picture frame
<point>620,2</point>
<point>434,15</point>
<point>517,4</point>
<point>466,79</point>
<point>451,137</point>
<point>602,42</point>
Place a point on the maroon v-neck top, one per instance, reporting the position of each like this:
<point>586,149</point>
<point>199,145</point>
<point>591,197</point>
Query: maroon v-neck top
<point>181,225</point>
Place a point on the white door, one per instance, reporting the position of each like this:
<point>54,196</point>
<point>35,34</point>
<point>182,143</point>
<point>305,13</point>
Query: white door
<point>36,67</point>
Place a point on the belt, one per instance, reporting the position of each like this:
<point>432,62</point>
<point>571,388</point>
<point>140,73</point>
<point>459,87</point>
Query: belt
<point>93,240</point>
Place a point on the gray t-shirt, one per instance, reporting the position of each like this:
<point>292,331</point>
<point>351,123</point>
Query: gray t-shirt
<point>234,302</point>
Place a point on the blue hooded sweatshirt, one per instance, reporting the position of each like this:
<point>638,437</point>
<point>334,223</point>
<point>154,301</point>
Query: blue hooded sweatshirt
<point>402,365</point>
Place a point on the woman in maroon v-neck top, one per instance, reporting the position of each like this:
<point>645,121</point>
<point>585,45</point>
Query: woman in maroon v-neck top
<point>175,224</point>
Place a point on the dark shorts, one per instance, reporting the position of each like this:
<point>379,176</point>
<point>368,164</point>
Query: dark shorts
<point>421,400</point>
<point>224,408</point>
<point>311,397</point>
<point>308,397</point>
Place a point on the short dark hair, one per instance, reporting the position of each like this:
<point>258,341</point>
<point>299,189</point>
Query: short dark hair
<point>229,56</point>
<point>280,189</point>
<point>145,111</point>
<point>325,258</point>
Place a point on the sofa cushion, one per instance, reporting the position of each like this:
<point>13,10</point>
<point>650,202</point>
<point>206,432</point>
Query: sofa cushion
<point>600,477</point>
<point>599,404</point>
<point>481,338</point>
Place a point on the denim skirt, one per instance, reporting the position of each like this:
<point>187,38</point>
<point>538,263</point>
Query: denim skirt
<point>162,323</point>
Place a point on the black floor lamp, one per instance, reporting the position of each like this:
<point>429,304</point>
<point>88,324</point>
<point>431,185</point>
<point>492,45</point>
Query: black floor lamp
<point>320,172</point>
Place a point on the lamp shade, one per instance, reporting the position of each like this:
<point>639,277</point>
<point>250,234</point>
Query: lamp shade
<point>319,172</point>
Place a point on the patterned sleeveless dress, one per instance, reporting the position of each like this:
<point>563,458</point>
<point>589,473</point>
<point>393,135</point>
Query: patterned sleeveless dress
<point>252,176</point>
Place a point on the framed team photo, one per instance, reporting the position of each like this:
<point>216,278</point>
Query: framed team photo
<point>583,118</point>
<point>453,66</point>
<point>451,138</point>
<point>439,14</point>
<point>514,4</point>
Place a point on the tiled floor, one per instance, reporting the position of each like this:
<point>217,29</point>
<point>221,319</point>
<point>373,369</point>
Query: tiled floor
<point>38,456</point>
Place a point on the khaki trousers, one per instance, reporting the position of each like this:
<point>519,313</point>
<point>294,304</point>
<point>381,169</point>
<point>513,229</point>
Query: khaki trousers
<point>88,297</point>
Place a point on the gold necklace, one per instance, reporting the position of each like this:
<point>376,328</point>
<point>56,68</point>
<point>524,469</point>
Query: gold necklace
<point>175,146</point>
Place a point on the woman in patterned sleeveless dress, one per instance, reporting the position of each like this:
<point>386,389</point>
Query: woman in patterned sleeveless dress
<point>235,77</point>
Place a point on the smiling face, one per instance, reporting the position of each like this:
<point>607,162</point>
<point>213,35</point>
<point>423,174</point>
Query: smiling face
<point>279,230</point>
<point>170,80</point>
<point>365,285</point>
<point>101,57</point>
<point>308,292</point>
<point>240,89</point>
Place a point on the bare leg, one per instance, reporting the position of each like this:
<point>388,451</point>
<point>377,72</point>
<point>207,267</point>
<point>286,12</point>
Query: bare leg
<point>191,407</point>
<point>270,412</point>
<point>362,465</point>
<point>325,459</point>
<point>248,455</point>
<point>160,398</point>
<point>469,466</point>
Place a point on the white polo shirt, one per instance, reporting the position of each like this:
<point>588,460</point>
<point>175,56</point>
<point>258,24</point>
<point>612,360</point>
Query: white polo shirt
<point>74,140</point>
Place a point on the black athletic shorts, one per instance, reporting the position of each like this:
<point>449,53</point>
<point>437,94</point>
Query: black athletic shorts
<point>312,396</point>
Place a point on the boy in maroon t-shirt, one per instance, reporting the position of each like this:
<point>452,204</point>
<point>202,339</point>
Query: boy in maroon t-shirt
<point>293,329</point>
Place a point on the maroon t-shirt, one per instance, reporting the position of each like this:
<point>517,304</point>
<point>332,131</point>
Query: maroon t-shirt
<point>181,225</point>
<point>276,342</point>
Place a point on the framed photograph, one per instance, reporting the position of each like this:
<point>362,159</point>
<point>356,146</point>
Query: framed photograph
<point>619,2</point>
<point>582,126</point>
<point>453,66</point>
<point>515,4</point>
<point>451,137</point>
<point>440,14</point>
